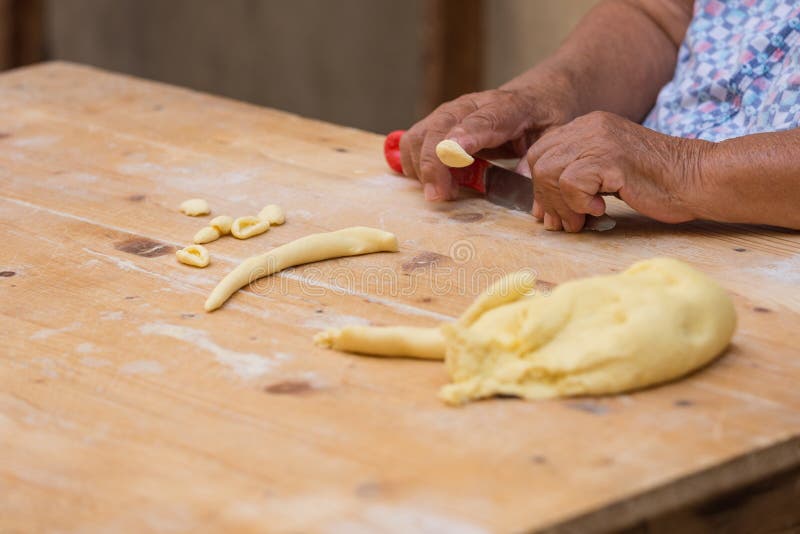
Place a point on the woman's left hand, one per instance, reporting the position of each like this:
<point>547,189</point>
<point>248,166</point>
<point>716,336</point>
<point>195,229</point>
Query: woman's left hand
<point>657,175</point>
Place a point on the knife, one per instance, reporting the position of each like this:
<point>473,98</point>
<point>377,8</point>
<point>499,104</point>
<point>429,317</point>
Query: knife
<point>497,184</point>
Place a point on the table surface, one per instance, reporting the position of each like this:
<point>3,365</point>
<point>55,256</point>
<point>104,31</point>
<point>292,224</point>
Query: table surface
<point>124,406</point>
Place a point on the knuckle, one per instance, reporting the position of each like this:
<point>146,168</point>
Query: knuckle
<point>543,170</point>
<point>488,117</point>
<point>568,182</point>
<point>600,119</point>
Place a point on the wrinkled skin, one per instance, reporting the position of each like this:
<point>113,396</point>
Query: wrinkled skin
<point>600,152</point>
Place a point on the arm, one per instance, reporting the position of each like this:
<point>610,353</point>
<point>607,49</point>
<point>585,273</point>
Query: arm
<point>616,60</point>
<point>751,179</point>
<point>618,57</point>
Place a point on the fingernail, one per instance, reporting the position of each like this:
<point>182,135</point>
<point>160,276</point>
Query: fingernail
<point>430,192</point>
<point>566,226</point>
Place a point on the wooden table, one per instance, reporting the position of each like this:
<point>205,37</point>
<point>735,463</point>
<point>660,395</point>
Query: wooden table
<point>123,406</point>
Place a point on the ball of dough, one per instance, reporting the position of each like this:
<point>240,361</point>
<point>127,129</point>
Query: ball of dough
<point>451,154</point>
<point>657,321</point>
<point>195,207</point>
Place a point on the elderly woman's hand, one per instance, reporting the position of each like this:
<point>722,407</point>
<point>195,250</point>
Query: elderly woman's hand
<point>572,165</point>
<point>508,119</point>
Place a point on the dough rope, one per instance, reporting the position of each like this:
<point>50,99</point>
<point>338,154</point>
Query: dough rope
<point>389,341</point>
<point>311,248</point>
<point>508,289</point>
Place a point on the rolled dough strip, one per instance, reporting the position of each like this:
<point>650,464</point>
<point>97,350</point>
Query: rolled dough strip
<point>315,247</point>
<point>390,341</point>
<point>508,289</point>
<point>451,154</point>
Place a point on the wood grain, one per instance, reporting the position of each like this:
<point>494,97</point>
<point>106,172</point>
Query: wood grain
<point>124,407</point>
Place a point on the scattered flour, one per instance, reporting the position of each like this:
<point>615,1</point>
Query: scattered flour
<point>47,332</point>
<point>244,364</point>
<point>142,367</point>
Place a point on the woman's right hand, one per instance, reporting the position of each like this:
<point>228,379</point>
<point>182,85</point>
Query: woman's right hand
<point>506,120</point>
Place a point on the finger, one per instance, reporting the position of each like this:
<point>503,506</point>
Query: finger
<point>440,120</point>
<point>549,196</point>
<point>545,185</point>
<point>523,168</point>
<point>406,159</point>
<point>580,184</point>
<point>498,118</point>
<point>552,222</point>
<point>537,210</point>
<point>416,136</point>
<point>434,174</point>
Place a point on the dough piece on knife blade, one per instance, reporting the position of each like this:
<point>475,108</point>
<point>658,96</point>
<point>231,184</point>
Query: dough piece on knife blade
<point>451,154</point>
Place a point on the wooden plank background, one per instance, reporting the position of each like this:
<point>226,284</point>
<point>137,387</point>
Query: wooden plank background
<point>124,406</point>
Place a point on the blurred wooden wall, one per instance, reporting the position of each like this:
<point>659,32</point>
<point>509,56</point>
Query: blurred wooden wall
<point>520,33</point>
<point>372,64</point>
<point>21,36</point>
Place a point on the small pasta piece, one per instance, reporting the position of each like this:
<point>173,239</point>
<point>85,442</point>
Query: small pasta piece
<point>195,207</point>
<point>222,223</point>
<point>273,214</point>
<point>248,226</point>
<point>194,255</point>
<point>451,154</point>
<point>206,235</point>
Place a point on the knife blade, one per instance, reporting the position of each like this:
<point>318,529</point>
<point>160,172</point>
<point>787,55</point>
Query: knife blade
<point>497,184</point>
<point>510,189</point>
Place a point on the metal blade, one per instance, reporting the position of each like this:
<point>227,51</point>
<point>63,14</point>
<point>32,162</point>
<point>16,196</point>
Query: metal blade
<point>512,190</point>
<point>508,189</point>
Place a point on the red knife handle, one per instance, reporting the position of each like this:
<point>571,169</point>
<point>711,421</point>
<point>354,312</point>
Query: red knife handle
<point>471,176</point>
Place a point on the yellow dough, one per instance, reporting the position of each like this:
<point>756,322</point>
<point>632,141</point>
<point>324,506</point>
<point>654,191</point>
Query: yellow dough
<point>222,223</point>
<point>206,235</point>
<point>273,214</point>
<point>248,226</point>
<point>451,154</point>
<point>393,341</point>
<point>657,321</point>
<point>195,207</point>
<point>194,255</point>
<point>315,247</point>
